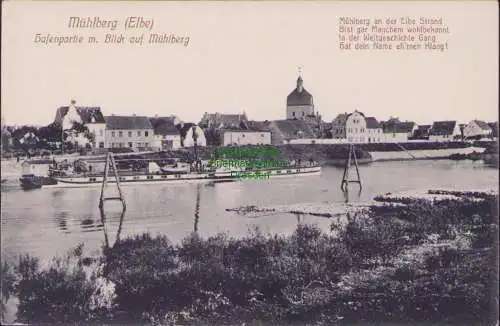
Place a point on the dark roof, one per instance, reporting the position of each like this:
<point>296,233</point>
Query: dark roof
<point>372,123</point>
<point>296,98</point>
<point>394,126</point>
<point>257,125</point>
<point>483,125</point>
<point>494,128</point>
<point>164,126</point>
<point>185,127</point>
<point>440,128</point>
<point>340,119</point>
<point>219,120</point>
<point>86,113</point>
<point>115,122</point>
<point>292,129</point>
<point>424,128</point>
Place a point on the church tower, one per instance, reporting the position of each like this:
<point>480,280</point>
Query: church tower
<point>299,103</point>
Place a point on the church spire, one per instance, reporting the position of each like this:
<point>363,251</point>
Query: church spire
<point>300,82</point>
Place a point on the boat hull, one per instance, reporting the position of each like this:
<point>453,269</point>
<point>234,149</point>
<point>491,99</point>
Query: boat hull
<point>179,178</point>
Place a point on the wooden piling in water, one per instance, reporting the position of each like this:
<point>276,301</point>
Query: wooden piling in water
<point>110,162</point>
<point>345,177</point>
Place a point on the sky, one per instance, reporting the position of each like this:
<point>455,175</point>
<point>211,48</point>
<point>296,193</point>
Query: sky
<point>244,56</point>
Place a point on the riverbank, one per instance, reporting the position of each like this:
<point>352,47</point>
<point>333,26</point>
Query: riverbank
<point>407,259</point>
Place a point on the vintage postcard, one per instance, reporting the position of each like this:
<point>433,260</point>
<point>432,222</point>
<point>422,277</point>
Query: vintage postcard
<point>249,162</point>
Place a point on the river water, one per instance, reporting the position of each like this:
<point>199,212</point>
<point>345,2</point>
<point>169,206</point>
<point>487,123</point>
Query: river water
<point>46,222</point>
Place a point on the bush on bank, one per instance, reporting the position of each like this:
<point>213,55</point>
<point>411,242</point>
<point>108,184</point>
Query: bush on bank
<point>357,275</point>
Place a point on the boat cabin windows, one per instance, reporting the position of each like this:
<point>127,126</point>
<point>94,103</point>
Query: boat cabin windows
<point>122,179</point>
<point>136,178</point>
<point>163,176</point>
<point>92,179</point>
<point>150,177</point>
<point>288,171</point>
<point>177,176</point>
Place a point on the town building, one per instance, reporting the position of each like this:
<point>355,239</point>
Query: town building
<point>445,131</point>
<point>167,132</point>
<point>338,129</point>
<point>476,128</point>
<point>134,132</point>
<point>356,128</point>
<point>192,134</point>
<point>422,132</point>
<point>220,121</point>
<point>396,131</point>
<point>374,131</point>
<point>299,103</point>
<point>494,129</point>
<point>282,131</point>
<point>91,117</point>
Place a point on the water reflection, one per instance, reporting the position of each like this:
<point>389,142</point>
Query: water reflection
<point>197,208</point>
<point>108,226</point>
<point>88,225</point>
<point>300,218</point>
<point>357,194</point>
<point>62,221</point>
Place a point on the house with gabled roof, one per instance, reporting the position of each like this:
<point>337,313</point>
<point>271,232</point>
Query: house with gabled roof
<point>167,132</point>
<point>254,133</point>
<point>476,128</point>
<point>353,127</point>
<point>445,131</point>
<point>134,132</point>
<point>374,131</point>
<point>221,120</point>
<point>192,134</point>
<point>282,131</point>
<point>89,116</point>
<point>396,131</point>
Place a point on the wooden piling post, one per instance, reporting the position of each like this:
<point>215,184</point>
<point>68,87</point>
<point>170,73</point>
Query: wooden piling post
<point>110,163</point>
<point>345,178</point>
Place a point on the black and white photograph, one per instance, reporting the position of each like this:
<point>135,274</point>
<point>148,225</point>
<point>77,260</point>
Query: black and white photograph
<point>249,163</point>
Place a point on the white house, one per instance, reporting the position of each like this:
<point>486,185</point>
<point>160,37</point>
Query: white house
<point>444,131</point>
<point>245,137</point>
<point>91,117</point>
<point>355,126</point>
<point>190,131</point>
<point>352,127</point>
<point>477,128</point>
<point>395,131</point>
<point>135,132</point>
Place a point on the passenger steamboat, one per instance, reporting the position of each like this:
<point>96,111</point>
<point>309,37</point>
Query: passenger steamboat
<point>83,174</point>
